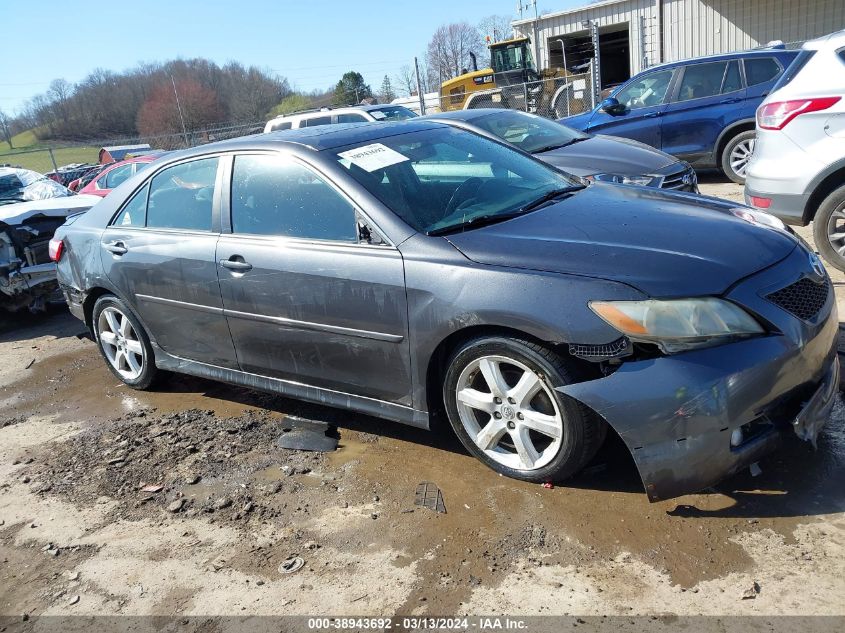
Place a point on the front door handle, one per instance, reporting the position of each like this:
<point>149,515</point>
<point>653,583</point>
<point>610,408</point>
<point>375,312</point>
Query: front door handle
<point>117,248</point>
<point>651,115</point>
<point>236,264</point>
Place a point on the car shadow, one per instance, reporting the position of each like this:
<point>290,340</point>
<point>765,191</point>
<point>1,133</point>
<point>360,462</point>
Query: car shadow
<point>55,321</point>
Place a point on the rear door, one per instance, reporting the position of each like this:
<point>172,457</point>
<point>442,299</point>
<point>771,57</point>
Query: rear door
<point>644,100</point>
<point>306,299</point>
<point>708,97</point>
<point>159,251</point>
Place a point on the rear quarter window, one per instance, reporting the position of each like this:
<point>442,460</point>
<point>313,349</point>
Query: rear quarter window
<point>760,70</point>
<point>794,68</point>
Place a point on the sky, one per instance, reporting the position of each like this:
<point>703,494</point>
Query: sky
<point>312,43</point>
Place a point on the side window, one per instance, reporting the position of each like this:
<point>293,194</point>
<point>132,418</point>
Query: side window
<point>281,125</point>
<point>732,81</point>
<point>317,120</point>
<point>116,176</point>
<point>649,90</point>
<point>272,195</point>
<point>760,70</point>
<point>350,118</point>
<point>181,196</point>
<point>701,80</point>
<point>135,211</point>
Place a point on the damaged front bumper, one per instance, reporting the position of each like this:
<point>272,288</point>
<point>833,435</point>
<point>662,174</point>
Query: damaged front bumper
<point>677,415</point>
<point>694,418</point>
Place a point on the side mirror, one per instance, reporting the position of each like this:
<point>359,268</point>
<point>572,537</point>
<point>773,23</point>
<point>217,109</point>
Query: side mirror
<point>611,106</point>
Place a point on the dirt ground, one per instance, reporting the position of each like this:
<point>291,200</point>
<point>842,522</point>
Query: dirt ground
<point>177,502</point>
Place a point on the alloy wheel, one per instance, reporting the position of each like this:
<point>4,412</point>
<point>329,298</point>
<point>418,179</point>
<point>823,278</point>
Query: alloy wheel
<point>120,343</point>
<point>741,155</point>
<point>509,412</point>
<point>836,230</point>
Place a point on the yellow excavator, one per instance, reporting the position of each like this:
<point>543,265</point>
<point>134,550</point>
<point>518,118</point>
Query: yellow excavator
<point>511,81</point>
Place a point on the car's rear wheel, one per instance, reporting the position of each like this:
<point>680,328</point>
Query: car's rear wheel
<point>829,228</point>
<point>501,402</point>
<point>123,342</point>
<point>737,154</point>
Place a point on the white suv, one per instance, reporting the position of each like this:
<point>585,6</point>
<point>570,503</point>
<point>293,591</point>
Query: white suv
<point>797,171</point>
<point>331,116</point>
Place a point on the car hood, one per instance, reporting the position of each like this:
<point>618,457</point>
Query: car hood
<point>608,155</point>
<point>53,207</point>
<point>664,244</point>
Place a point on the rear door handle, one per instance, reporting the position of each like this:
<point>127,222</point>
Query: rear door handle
<point>117,248</point>
<point>236,265</point>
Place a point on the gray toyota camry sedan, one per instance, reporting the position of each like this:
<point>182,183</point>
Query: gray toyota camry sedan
<point>404,269</point>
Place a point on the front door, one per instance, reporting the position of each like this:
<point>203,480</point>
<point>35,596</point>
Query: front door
<point>644,103</point>
<point>160,253</point>
<point>305,299</point>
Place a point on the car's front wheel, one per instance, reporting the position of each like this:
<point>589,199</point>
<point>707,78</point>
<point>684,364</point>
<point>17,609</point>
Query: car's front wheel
<point>501,402</point>
<point>737,155</point>
<point>123,342</point>
<point>829,228</point>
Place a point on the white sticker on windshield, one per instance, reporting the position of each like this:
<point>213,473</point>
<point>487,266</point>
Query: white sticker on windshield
<point>373,156</point>
<point>378,114</point>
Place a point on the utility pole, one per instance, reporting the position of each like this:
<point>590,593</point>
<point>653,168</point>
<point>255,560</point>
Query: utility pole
<point>644,62</point>
<point>181,116</point>
<point>419,87</point>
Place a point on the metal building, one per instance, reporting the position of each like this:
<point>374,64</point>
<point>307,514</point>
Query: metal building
<point>636,34</point>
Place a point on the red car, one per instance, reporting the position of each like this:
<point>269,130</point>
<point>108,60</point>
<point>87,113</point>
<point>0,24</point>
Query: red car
<point>115,174</point>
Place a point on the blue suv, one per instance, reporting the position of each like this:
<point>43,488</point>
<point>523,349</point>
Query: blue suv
<point>700,110</point>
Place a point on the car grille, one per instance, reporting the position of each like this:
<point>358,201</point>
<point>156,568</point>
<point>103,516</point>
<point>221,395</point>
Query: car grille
<point>804,299</point>
<point>676,181</point>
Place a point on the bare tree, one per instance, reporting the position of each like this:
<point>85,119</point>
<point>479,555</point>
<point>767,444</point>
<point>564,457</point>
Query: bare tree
<point>406,81</point>
<point>448,53</point>
<point>496,27</point>
<point>5,123</point>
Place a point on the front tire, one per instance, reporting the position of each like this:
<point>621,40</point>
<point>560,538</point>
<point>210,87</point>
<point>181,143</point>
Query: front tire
<point>829,228</point>
<point>123,343</point>
<point>737,154</point>
<point>500,399</point>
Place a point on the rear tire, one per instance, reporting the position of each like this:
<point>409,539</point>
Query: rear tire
<point>123,343</point>
<point>736,155</point>
<point>829,228</point>
<point>500,400</point>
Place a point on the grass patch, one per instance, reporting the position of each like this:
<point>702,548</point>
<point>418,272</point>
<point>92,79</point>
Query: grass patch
<point>40,160</point>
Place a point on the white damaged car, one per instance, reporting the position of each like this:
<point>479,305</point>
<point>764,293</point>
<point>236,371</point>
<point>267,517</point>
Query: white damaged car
<point>32,207</point>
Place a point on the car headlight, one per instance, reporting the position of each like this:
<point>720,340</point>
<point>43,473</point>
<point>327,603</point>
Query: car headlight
<point>759,217</point>
<point>619,179</point>
<point>676,325</point>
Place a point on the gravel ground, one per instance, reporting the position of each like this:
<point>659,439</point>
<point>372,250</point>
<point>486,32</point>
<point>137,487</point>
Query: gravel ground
<point>178,502</point>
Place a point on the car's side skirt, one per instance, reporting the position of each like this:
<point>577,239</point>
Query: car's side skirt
<point>361,404</point>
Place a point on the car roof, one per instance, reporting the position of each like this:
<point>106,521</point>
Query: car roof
<point>757,52</point>
<point>465,115</point>
<point>323,137</point>
<point>338,110</point>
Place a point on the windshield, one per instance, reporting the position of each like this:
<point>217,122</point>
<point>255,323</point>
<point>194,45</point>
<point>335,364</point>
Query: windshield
<point>393,113</point>
<point>528,132</point>
<point>23,185</point>
<point>445,177</point>
<point>511,57</point>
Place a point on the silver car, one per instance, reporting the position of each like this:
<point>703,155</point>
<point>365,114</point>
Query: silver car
<point>797,171</point>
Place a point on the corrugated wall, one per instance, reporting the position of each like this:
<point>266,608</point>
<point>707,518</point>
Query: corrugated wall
<point>692,28</point>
